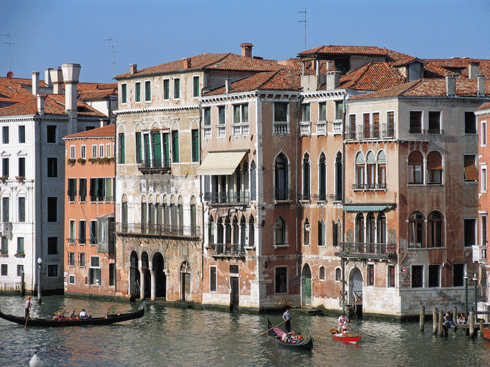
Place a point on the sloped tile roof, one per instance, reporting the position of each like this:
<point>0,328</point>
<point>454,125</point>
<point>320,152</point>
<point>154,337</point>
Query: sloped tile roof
<point>334,50</point>
<point>372,76</point>
<point>96,94</point>
<point>108,131</point>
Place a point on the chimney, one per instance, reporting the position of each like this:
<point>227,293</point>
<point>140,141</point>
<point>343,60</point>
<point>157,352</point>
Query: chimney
<point>102,123</point>
<point>246,49</point>
<point>133,68</point>
<point>451,85</point>
<point>35,83</point>
<point>333,79</point>
<point>480,82</point>
<point>71,73</point>
<point>473,70</point>
<point>227,85</point>
<point>47,77</point>
<point>57,79</point>
<point>40,104</point>
<point>187,63</point>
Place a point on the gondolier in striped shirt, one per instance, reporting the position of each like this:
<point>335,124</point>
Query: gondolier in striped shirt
<point>287,317</point>
<point>27,306</point>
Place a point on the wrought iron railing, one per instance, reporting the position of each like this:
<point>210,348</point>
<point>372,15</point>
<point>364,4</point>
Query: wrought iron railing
<point>226,249</point>
<point>362,249</point>
<point>158,229</point>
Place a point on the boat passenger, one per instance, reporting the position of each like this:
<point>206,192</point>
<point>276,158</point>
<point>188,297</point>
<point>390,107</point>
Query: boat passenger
<point>346,326</point>
<point>462,319</point>
<point>61,315</point>
<point>300,337</point>
<point>73,315</point>
<point>448,320</point>
<point>83,314</point>
<point>341,322</point>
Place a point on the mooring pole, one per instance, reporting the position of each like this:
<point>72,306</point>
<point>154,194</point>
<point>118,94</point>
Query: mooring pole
<point>472,323</point>
<point>434,320</point>
<point>422,318</point>
<point>441,328</point>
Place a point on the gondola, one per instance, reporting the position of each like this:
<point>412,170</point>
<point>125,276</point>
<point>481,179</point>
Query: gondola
<point>107,320</point>
<point>275,333</point>
<point>486,334</point>
<point>347,338</point>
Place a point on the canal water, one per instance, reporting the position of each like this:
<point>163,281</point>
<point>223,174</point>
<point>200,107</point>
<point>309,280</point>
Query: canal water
<point>168,336</point>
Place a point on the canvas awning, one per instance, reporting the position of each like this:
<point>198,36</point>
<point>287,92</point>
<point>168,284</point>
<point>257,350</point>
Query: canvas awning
<point>221,163</point>
<point>367,208</point>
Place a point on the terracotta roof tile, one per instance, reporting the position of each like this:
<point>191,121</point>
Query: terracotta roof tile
<point>372,77</point>
<point>96,94</point>
<point>108,131</point>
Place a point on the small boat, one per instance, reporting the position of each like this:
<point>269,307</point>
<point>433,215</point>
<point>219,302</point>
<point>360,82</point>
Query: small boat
<point>107,320</point>
<point>276,333</point>
<point>347,338</point>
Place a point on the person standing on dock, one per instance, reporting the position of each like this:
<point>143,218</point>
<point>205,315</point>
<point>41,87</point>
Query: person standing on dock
<point>27,306</point>
<point>287,317</point>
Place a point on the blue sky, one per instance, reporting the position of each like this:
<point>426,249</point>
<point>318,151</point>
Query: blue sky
<point>48,33</point>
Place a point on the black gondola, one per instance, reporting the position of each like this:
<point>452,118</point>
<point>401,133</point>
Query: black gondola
<point>107,320</point>
<point>275,333</point>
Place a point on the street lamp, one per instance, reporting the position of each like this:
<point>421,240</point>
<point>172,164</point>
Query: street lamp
<point>475,282</point>
<point>40,262</point>
<point>466,292</point>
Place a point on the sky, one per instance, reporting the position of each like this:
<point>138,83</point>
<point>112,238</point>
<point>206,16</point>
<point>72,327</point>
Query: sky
<point>106,36</point>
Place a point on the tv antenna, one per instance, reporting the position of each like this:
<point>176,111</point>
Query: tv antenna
<point>113,51</point>
<point>303,21</point>
<point>10,49</point>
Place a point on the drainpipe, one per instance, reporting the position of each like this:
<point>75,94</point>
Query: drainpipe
<point>201,188</point>
<point>343,202</point>
<point>298,258</point>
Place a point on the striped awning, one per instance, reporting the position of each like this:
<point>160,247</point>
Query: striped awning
<point>367,208</point>
<point>221,163</point>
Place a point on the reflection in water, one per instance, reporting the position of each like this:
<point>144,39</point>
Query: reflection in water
<point>183,337</point>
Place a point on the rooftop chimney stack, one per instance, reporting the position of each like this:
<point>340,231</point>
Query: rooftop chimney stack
<point>57,79</point>
<point>47,77</point>
<point>451,85</point>
<point>133,68</point>
<point>187,63</point>
<point>333,79</point>
<point>35,83</point>
<point>40,104</point>
<point>71,73</point>
<point>473,70</point>
<point>246,49</point>
<point>480,81</point>
<point>227,85</point>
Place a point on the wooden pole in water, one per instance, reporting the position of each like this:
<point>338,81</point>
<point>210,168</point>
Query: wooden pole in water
<point>422,318</point>
<point>441,329</point>
<point>482,325</point>
<point>434,320</point>
<point>471,321</point>
<point>487,315</point>
<point>455,314</point>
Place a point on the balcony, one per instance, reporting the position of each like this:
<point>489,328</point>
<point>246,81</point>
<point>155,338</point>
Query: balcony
<point>337,126</point>
<point>479,254</point>
<point>227,199</point>
<point>282,195</point>
<point>155,166</point>
<point>379,251</point>
<point>158,230</point>
<point>227,250</point>
<point>305,128</point>
<point>321,127</point>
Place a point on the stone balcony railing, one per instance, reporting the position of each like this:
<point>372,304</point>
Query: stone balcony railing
<point>367,250</point>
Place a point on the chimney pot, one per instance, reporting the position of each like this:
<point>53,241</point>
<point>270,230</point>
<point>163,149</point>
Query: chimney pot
<point>47,77</point>
<point>333,79</point>
<point>473,70</point>
<point>246,49</point>
<point>451,85</point>
<point>133,68</point>
<point>480,81</point>
<point>227,85</point>
<point>57,79</point>
<point>35,83</point>
<point>187,63</point>
<point>40,104</point>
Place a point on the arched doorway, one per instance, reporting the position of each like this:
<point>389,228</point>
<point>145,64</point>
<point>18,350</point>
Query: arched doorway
<point>160,277</point>
<point>306,286</point>
<point>134,275</point>
<point>185,281</point>
<point>355,290</point>
<point>147,275</point>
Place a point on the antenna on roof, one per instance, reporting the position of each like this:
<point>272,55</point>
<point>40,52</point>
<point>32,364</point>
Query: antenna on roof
<point>10,50</point>
<point>113,51</point>
<point>303,21</point>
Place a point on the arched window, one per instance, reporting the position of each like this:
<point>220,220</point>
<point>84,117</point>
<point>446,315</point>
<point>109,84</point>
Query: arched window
<point>236,233</point>
<point>220,231</point>
<point>382,169</point>
<point>124,214</point>
<point>193,216</point>
<point>360,228</point>
<point>321,273</point>
<point>434,167</point>
<point>371,170</point>
<point>246,188</point>
<point>306,177</point>
<point>371,229</point>
<point>321,233</point>
<point>280,232</point>
<point>359,170</point>
<point>243,233</point>
<point>210,229</point>
<point>415,165</point>
<point>251,232</point>
<point>322,178</point>
<point>227,230</point>
<point>180,210</point>
<point>436,234</point>
<point>253,180</point>
<point>338,274</point>
<point>281,178</point>
<point>144,215</point>
<point>416,230</point>
<point>306,233</point>
<point>381,229</point>
<point>338,177</point>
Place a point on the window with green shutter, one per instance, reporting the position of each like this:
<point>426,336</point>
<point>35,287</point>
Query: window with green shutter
<point>166,150</point>
<point>157,150</point>
<point>195,145</point>
<point>176,88</point>
<point>146,142</point>
<point>147,91</point>
<point>195,81</point>
<point>139,156</point>
<point>175,146</point>
<point>124,90</point>
<point>122,149</point>
<point>137,92</point>
<point>166,89</point>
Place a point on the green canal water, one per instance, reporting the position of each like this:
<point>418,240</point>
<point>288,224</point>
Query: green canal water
<point>168,336</point>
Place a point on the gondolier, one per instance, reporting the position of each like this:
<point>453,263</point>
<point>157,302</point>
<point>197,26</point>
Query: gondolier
<point>287,317</point>
<point>27,306</point>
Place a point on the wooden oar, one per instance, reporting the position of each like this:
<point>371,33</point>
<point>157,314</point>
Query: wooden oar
<point>268,330</point>
<point>27,318</point>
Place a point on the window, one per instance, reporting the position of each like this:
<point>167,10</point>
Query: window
<point>281,120</point>
<point>417,276</point>
<point>82,230</point>
<point>470,122</point>
<point>458,275</point>
<point>376,125</point>
<point>124,93</point>
<point>305,112</point>
<point>22,134</point>
<point>93,232</point>
<point>20,270</point>
<point>483,134</point>
<point>72,189</point>
<point>83,189</point>
<point>322,111</point>
<point>5,134</point>
<point>175,146</point>
<point>112,274</point>
<point>351,130</point>
<point>306,233</point>
<point>382,169</point>
<point>306,177</point>
<point>338,274</point>
<point>335,233</point>
<point>483,178</point>
<point>322,236</point>
<point>72,229</point>
<point>280,232</point>
<point>370,274</point>
<point>22,167</point>
<point>81,259</point>
<point>251,231</point>
<point>253,182</point>
<point>139,150</point>
<point>195,145</point>
<point>71,279</point>
<point>434,122</point>
<point>436,232</point>
<point>359,171</point>
<point>101,151</point>
<point>83,152</point>
<point>416,230</point>
<point>137,92</point>
<point>281,178</point>
<point>52,245</point>
<point>5,167</point>
<point>390,124</point>
<point>176,88</point>
<point>470,232</point>
<point>4,250</point>
<point>370,230</point>
<point>434,275</point>
<point>281,280</point>
<point>195,86</point>
<point>108,150</point>
<point>71,259</point>
<point>22,209</point>
<point>470,172</point>
<point>52,209</point>
<point>213,281</point>
<point>367,126</point>
<point>122,152</point>
<point>52,167</point>
<point>322,178</point>
<point>359,228</point>
<point>415,122</point>
<point>339,110</point>
<point>415,164</point>
<point>94,271</point>
<point>166,89</point>
<point>4,270</point>
<point>240,119</point>
<point>5,209</point>
<point>434,167</point>
<point>51,134</point>
<point>381,228</point>
<point>391,276</point>
<point>338,177</point>
<point>147,91</point>
<point>321,273</point>
<point>371,170</point>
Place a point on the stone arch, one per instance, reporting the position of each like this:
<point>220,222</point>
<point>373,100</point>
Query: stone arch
<point>306,285</point>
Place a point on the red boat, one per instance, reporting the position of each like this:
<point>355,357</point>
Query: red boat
<point>347,338</point>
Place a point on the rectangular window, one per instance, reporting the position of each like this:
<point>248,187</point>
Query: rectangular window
<point>112,274</point>
<point>367,125</point>
<point>391,276</point>
<point>52,167</point>
<point>93,232</point>
<point>139,150</point>
<point>207,116</point>
<point>22,134</point>
<point>81,259</point>
<point>351,131</point>
<point>281,118</point>
<point>483,231</point>
<point>22,167</point>
<point>376,125</point>
<point>52,245</point>
<point>108,190</point>
<point>52,270</point>
<point>434,275</point>
<point>469,122</point>
<point>71,279</point>
<point>71,259</point>
<point>175,146</point>
<point>458,275</point>
<point>72,152</point>
<point>281,280</point>
<point>339,110</point>
<point>52,209</point>
<point>22,209</point>
<point>322,111</point>
<point>83,189</point>
<point>137,92</point>
<point>5,167</point>
<point>5,134</point>
<point>483,134</point>
<point>195,86</point>
<point>176,88</point>
<point>83,152</point>
<point>4,270</point>
<point>101,151</point>
<point>470,172</point>
<point>305,112</point>
<point>122,152</point>
<point>195,145</point>
<point>483,179</point>
<point>147,91</point>
<point>124,93</point>
<point>415,122</point>
<point>390,122</point>
<point>4,250</point>
<point>417,276</point>
<point>20,270</point>
<point>370,274</point>
<point>108,151</point>
<point>434,122</point>
<point>82,229</point>
<point>5,209</point>
<point>221,115</point>
<point>213,281</point>
<point>72,189</point>
<point>166,89</point>
<point>51,134</point>
<point>94,151</point>
<point>71,239</point>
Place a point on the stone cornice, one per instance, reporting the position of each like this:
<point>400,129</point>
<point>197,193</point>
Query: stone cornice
<point>155,109</point>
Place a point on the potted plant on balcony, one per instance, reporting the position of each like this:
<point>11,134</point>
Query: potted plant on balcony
<point>20,179</point>
<point>4,179</point>
<point>81,160</point>
<point>92,160</point>
<point>71,161</point>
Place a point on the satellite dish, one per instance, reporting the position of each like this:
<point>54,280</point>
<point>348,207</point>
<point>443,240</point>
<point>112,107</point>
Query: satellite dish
<point>10,75</point>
